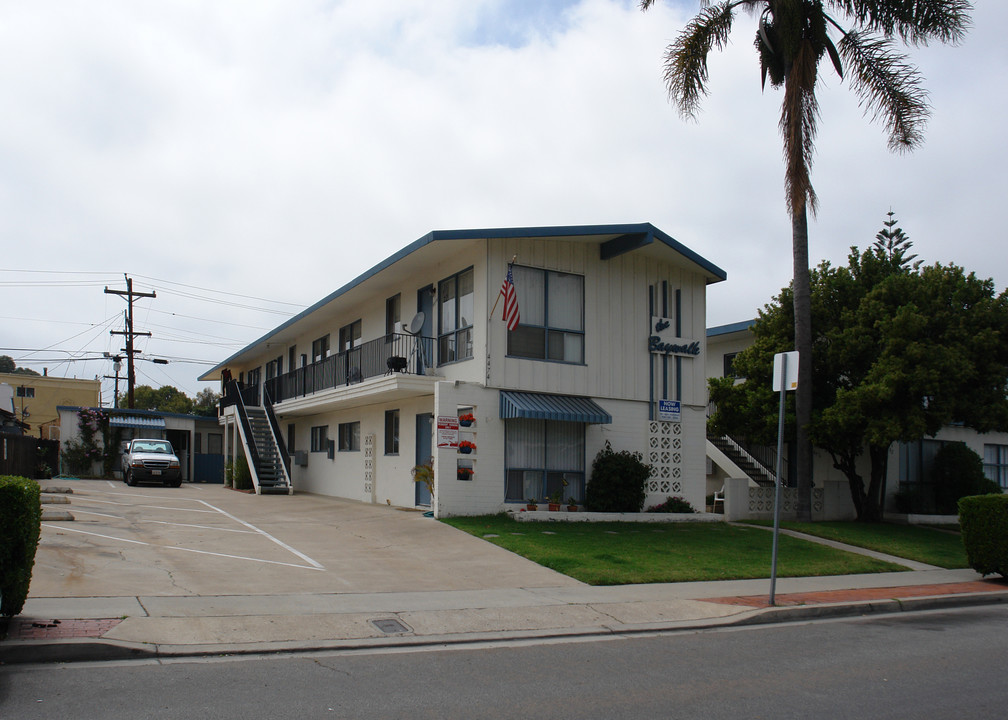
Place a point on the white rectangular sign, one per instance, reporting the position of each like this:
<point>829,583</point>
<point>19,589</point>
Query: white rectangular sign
<point>670,410</point>
<point>447,431</point>
<point>790,372</point>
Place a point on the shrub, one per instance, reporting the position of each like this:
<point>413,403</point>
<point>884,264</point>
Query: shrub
<point>618,481</point>
<point>984,522</point>
<point>958,472</point>
<point>672,505</point>
<point>241,475</point>
<point>20,525</point>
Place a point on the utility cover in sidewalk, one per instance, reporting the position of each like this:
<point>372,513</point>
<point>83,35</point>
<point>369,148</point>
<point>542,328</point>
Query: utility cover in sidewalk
<point>390,626</point>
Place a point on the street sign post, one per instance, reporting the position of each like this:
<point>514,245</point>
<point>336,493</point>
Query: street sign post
<point>785,377</point>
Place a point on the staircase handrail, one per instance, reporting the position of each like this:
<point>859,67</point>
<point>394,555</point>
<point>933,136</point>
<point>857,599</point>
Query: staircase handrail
<point>277,435</point>
<point>742,450</point>
<point>234,393</point>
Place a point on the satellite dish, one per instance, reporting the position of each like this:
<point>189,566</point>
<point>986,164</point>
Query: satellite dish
<point>416,324</point>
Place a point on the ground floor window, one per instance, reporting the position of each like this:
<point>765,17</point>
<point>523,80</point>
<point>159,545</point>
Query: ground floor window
<point>349,437</point>
<point>391,432</point>
<point>319,438</point>
<point>996,464</point>
<point>540,456</point>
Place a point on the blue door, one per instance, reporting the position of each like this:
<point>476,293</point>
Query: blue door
<point>424,439</point>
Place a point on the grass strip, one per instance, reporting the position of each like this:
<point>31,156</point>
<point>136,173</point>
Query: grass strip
<point>632,553</point>
<point>926,544</point>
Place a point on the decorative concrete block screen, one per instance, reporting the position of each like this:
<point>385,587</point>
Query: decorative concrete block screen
<point>665,456</point>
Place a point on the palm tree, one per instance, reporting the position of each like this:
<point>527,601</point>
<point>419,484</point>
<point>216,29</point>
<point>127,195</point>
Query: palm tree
<point>793,36</point>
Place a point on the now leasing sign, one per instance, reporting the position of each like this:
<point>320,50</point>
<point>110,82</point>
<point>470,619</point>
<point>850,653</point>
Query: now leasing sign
<point>663,340</point>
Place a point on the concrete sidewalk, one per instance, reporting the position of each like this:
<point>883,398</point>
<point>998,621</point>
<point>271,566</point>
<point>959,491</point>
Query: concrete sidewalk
<point>101,628</point>
<point>216,572</point>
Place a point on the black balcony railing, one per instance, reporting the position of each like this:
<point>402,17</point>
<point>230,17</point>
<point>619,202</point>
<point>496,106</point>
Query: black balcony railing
<point>396,352</point>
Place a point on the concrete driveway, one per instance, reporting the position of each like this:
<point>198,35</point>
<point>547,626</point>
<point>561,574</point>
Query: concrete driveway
<point>208,540</point>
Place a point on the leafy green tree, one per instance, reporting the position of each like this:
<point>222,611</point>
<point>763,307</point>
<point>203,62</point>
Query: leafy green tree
<point>206,402</point>
<point>7,365</point>
<point>792,39</point>
<point>166,399</point>
<point>899,351</point>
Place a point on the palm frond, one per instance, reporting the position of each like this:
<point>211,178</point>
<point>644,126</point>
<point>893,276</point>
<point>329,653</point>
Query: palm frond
<point>798,125</point>
<point>888,87</point>
<point>914,21</point>
<point>686,59</point>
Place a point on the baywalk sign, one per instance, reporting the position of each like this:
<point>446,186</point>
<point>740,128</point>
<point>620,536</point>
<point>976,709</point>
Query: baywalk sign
<point>663,340</point>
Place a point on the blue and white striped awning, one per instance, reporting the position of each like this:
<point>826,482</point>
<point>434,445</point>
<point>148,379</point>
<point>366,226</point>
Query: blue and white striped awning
<point>145,423</point>
<point>539,406</point>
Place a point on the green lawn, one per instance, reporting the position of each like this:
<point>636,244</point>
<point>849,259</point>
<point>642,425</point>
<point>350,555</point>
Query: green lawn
<point>922,543</point>
<point>630,553</point>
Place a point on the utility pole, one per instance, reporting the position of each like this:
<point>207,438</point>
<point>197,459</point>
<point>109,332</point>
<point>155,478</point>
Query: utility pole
<point>129,332</point>
<point>117,366</point>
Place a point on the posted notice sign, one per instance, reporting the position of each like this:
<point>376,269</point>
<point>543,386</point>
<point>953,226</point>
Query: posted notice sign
<point>447,431</point>
<point>670,410</point>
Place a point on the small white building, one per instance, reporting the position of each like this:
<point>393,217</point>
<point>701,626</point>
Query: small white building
<point>347,397</point>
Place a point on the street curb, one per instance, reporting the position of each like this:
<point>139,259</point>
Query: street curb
<point>98,649</point>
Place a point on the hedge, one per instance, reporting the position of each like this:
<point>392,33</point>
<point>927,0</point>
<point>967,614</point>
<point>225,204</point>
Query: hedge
<point>984,523</point>
<point>20,525</point>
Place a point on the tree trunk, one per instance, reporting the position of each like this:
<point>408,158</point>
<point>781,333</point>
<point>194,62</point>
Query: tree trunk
<point>847,464</point>
<point>879,455</point>
<point>803,344</point>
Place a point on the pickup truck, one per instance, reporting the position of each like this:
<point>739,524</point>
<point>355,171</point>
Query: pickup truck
<point>148,460</point>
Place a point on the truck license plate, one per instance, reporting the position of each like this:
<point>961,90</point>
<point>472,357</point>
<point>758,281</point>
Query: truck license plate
<point>155,472</point>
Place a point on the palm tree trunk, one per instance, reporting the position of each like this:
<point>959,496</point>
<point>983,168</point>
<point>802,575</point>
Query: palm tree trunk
<point>803,344</point>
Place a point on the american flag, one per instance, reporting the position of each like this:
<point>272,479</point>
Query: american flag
<point>511,316</point>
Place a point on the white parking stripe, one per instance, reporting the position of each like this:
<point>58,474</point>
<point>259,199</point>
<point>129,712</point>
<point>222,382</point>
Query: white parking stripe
<point>200,527</point>
<point>265,534</point>
<point>201,552</point>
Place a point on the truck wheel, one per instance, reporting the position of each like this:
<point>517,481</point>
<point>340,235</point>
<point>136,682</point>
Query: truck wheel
<point>130,480</point>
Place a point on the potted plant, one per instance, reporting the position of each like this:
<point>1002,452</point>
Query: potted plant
<point>465,447</point>
<point>531,504</point>
<point>464,473</point>
<point>554,500</point>
<point>425,473</point>
<point>467,419</point>
<point>571,505</point>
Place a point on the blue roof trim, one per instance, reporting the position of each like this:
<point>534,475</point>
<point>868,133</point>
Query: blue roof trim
<point>147,423</point>
<point>538,406</point>
<point>647,229</point>
<point>730,328</point>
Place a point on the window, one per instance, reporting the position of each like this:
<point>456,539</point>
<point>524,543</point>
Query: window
<point>349,437</point>
<point>320,438</point>
<point>729,361</point>
<point>391,432</point>
<point>290,437</point>
<point>215,443</point>
<point>25,392</point>
<point>320,349</point>
<point>393,307</point>
<point>552,316</point>
<point>274,368</point>
<point>540,456</point>
<point>349,336</point>
<point>455,317</point>
<point>291,356</point>
<point>996,464</point>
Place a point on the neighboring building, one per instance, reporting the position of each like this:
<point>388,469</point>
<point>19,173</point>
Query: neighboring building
<point>371,380</point>
<point>198,441</point>
<point>36,398</point>
<point>909,463</point>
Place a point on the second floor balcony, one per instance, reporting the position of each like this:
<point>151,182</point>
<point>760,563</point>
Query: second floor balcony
<point>392,354</point>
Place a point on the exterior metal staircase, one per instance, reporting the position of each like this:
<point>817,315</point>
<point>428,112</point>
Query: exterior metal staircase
<point>268,461</point>
<point>757,471</point>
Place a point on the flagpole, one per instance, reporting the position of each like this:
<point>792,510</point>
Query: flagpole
<point>500,292</point>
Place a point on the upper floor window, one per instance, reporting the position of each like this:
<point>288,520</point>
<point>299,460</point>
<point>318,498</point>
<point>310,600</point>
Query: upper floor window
<point>552,316</point>
<point>349,336</point>
<point>274,368</point>
<point>26,392</point>
<point>996,464</point>
<point>320,349</point>
<point>455,317</point>
<point>729,365</point>
<point>393,307</point>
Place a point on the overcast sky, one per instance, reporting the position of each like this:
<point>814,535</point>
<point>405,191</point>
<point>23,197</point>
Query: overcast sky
<point>244,158</point>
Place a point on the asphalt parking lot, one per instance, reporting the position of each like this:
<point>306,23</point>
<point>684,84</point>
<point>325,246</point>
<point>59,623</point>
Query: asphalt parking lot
<point>208,540</point>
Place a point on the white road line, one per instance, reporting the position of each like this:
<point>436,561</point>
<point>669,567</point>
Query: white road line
<point>110,483</point>
<point>201,527</point>
<point>154,507</point>
<point>88,512</point>
<point>85,532</point>
<point>173,547</point>
<point>265,534</point>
